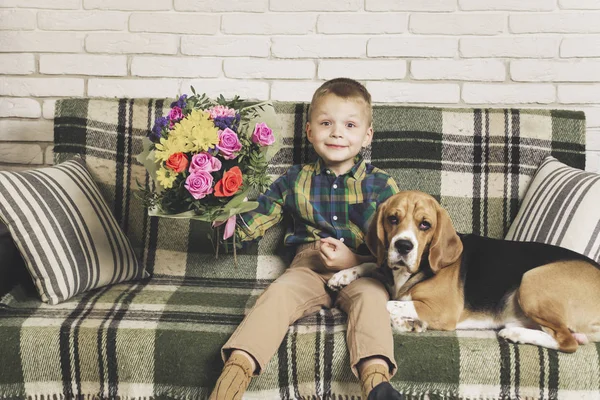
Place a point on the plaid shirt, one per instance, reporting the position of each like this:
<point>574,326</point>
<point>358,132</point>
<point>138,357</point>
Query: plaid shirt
<point>321,204</point>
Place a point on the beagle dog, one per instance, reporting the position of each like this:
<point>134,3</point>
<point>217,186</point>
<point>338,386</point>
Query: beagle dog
<point>535,293</point>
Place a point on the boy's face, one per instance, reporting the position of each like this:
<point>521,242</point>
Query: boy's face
<point>338,129</point>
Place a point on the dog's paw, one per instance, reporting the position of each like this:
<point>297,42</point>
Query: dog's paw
<point>528,336</point>
<point>343,278</point>
<point>400,324</point>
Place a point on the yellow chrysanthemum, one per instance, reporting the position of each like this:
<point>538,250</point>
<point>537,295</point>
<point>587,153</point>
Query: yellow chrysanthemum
<point>167,147</point>
<point>166,177</point>
<point>199,131</point>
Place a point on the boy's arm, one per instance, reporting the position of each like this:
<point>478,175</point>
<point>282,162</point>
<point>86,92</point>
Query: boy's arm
<point>269,212</point>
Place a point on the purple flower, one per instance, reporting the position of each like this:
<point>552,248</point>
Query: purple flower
<point>199,184</point>
<point>205,162</point>
<point>181,103</point>
<point>227,122</point>
<point>263,135</point>
<point>228,144</point>
<point>175,114</point>
<point>156,133</point>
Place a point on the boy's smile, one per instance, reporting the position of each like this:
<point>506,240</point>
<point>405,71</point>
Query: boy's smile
<point>338,129</point>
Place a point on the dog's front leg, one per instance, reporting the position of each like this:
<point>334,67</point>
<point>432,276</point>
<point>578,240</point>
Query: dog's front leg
<point>404,317</point>
<point>345,277</point>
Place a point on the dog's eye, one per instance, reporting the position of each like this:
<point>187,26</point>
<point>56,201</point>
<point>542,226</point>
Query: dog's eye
<point>424,226</point>
<point>393,220</point>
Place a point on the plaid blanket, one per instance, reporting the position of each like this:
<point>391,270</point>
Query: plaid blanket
<point>160,338</point>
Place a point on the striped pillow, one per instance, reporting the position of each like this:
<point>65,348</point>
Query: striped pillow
<point>561,207</point>
<point>65,232</point>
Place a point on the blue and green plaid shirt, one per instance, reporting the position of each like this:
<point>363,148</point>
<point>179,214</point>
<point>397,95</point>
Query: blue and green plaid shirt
<point>321,204</point>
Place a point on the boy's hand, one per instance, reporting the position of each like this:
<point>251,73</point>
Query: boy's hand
<point>336,255</point>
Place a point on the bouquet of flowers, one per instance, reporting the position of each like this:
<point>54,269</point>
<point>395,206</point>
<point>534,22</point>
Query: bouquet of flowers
<point>204,158</point>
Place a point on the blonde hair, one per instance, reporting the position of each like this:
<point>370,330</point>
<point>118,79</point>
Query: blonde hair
<point>345,88</point>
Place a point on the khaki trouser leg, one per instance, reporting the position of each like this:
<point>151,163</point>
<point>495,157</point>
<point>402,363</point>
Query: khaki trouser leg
<point>299,291</point>
<point>369,331</point>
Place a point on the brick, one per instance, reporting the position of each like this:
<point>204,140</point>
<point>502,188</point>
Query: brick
<point>183,67</point>
<point>26,131</point>
<point>579,4</point>
<point>404,92</point>
<point>458,24</point>
<point>410,5</point>
<point>584,94</point>
<point>19,108</point>
<point>48,109</point>
<point>412,47</point>
<point>507,5</point>
<point>185,23</point>
<point>514,47</point>
<point>246,89</point>
<point>128,5</point>
<point>363,69</point>
<point>17,20</point>
<point>564,22</point>
<point>585,46</point>
<point>221,6</point>
<point>49,155</point>
<point>592,161</point>
<point>294,91</point>
<point>83,64</point>
<point>593,139</point>
<point>54,4</point>
<point>268,24</point>
<point>502,94</point>
<point>223,46</point>
<point>249,68</point>
<point>549,71</point>
<point>363,23</point>
<point>136,43</point>
<point>51,42</point>
<point>318,47</point>
<point>82,20</point>
<point>41,87</point>
<point>462,70</point>
<point>17,64</point>
<point>315,5</point>
<point>20,153</point>
<point>134,88</point>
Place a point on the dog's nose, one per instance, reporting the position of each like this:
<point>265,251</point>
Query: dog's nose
<point>403,246</point>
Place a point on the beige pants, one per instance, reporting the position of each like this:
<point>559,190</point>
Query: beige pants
<point>300,291</point>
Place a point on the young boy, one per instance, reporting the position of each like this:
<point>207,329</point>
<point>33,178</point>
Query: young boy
<point>331,202</point>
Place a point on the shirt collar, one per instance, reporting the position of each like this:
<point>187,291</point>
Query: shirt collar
<point>358,171</point>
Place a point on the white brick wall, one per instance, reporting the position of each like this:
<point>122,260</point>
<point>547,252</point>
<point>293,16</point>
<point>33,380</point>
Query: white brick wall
<point>455,53</point>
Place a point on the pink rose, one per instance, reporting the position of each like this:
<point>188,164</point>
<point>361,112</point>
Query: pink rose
<point>199,184</point>
<point>263,135</point>
<point>221,111</point>
<point>175,114</point>
<point>228,144</point>
<point>205,162</point>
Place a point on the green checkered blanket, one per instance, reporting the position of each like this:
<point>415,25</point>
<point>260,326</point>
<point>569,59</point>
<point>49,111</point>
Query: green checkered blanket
<point>160,338</point>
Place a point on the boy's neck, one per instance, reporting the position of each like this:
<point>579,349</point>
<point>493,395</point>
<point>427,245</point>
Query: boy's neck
<point>340,169</point>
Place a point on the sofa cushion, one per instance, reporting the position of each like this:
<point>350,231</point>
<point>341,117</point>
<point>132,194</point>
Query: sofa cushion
<point>65,232</point>
<point>561,207</point>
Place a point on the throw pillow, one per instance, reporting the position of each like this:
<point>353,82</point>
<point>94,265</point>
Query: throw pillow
<point>66,234</point>
<point>561,208</point>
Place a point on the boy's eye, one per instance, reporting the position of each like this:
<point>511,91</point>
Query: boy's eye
<point>326,123</point>
<point>351,125</point>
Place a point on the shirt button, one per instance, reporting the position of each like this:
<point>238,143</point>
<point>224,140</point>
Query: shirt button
<point>335,186</point>
<point>342,240</point>
<point>327,171</point>
<point>335,217</point>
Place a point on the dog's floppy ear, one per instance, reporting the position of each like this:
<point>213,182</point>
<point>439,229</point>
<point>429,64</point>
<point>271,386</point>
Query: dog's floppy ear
<point>376,236</point>
<point>446,247</point>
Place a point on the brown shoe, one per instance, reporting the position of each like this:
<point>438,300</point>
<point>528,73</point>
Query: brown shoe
<point>372,376</point>
<point>234,379</point>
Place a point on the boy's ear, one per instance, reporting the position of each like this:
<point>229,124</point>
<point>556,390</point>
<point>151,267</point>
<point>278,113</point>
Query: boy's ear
<point>368,137</point>
<point>308,132</point>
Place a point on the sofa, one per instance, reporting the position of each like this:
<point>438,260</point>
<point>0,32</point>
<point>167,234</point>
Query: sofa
<point>160,337</point>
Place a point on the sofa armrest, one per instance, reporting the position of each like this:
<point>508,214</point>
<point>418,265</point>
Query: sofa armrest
<point>11,264</point>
